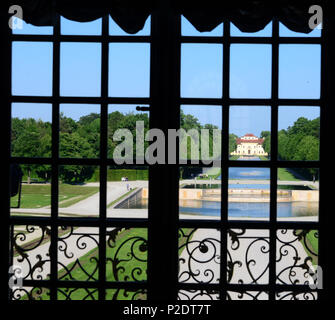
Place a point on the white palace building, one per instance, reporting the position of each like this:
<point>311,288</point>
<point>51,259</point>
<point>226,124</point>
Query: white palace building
<point>249,145</point>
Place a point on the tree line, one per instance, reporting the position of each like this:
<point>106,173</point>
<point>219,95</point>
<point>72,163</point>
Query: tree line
<point>79,139</point>
<point>299,142</point>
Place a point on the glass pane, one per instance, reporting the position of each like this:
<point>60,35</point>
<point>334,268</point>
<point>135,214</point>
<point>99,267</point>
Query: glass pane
<point>200,133</point>
<point>79,127</point>
<point>266,32</point>
<point>297,255</point>
<point>32,68</point>
<point>126,254</point>
<point>187,29</point>
<point>80,69</point>
<point>77,294</point>
<point>30,293</point>
<point>115,30</point>
<point>299,71</point>
<point>200,193</point>
<point>126,294</point>
<point>285,32</point>
<point>78,191</point>
<point>247,295</point>
<point>30,190</point>
<point>248,256</point>
<point>299,133</point>
<point>291,295</point>
<point>199,255</point>
<point>78,254</point>
<point>250,71</point>
<point>31,130</point>
<point>198,295</point>
<point>249,193</point>
<point>21,27</point>
<point>80,28</point>
<point>129,70</point>
<point>249,132</point>
<point>201,70</point>
<point>127,192</point>
<point>128,134</point>
<point>30,245</point>
<point>298,194</point>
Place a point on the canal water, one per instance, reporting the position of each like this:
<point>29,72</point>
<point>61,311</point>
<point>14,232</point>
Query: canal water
<point>249,209</point>
<point>242,209</point>
<point>238,209</point>
<point>249,174</point>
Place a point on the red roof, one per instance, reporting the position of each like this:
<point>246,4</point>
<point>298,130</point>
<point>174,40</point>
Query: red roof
<point>249,135</point>
<point>240,140</point>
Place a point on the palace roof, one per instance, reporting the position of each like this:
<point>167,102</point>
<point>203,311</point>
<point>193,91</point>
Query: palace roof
<point>241,140</point>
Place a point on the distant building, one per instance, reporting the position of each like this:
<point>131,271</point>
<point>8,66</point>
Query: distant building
<point>249,145</point>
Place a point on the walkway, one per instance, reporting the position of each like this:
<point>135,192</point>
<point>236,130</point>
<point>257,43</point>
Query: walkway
<point>90,205</point>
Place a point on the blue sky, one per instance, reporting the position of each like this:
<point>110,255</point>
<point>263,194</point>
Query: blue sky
<point>201,68</point>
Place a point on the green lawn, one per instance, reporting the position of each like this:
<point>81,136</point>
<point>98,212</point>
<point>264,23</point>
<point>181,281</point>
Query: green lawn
<point>285,175</point>
<point>38,196</point>
<point>213,172</point>
<point>313,244</point>
<point>185,235</point>
<point>120,267</point>
<point>313,240</point>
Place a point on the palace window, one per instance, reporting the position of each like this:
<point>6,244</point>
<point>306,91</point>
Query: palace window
<point>83,227</point>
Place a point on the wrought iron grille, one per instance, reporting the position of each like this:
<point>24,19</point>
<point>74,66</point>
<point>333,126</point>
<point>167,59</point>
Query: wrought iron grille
<point>160,272</point>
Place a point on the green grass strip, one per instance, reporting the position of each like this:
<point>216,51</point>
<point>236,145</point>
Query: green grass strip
<point>120,198</point>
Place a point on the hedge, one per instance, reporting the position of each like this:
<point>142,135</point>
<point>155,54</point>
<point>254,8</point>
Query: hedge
<point>117,174</point>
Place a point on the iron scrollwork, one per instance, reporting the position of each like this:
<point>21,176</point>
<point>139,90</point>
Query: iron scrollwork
<point>296,296</point>
<point>296,256</point>
<point>247,295</point>
<point>199,258</point>
<point>73,293</point>
<point>127,255</point>
<point>35,293</point>
<point>198,295</point>
<point>126,294</point>
<point>248,256</point>
<point>78,249</point>
<point>31,251</point>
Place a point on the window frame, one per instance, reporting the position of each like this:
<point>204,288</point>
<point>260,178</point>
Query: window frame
<point>165,104</point>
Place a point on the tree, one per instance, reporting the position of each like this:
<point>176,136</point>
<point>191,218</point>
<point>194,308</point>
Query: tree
<point>88,119</point>
<point>75,146</point>
<point>300,143</point>
<point>308,149</point>
<point>232,142</point>
<point>90,131</point>
<point>188,121</point>
<point>266,135</point>
<point>67,125</point>
<point>282,143</point>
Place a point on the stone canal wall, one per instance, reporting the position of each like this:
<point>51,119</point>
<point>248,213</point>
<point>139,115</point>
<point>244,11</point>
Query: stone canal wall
<point>249,195</point>
<point>244,195</point>
<point>305,195</point>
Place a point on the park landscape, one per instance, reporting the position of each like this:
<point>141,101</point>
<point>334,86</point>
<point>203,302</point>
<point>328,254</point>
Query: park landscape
<point>126,249</point>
